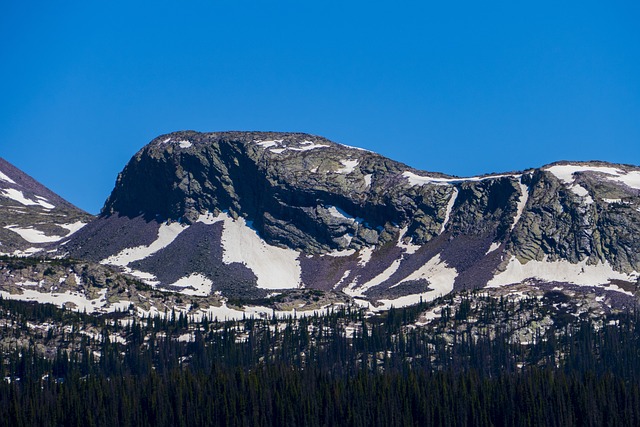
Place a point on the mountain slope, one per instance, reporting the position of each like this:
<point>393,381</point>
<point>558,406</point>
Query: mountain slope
<point>32,217</point>
<point>249,213</point>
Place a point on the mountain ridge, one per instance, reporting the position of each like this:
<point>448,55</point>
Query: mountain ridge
<point>334,217</point>
<point>32,217</point>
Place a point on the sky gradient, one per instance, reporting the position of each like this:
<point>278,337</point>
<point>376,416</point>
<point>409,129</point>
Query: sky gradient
<point>457,87</point>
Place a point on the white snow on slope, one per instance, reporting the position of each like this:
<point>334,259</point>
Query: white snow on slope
<point>631,179</point>
<point>305,146</point>
<point>582,192</point>
<point>356,148</point>
<point>32,235</point>
<point>559,271</point>
<point>73,227</point>
<point>341,253</point>
<point>365,256</point>
<point>565,173</point>
<point>19,197</point>
<point>60,299</point>
<point>493,247</point>
<point>147,278</point>
<point>358,290</point>
<point>166,235</point>
<point>26,253</point>
<point>185,144</point>
<point>209,219</point>
<point>275,268</point>
<point>201,285</point>
<point>367,179</point>
<point>439,275</point>
<point>522,203</point>
<point>4,177</point>
<point>310,146</point>
<point>447,214</point>
<point>268,144</point>
<point>409,248</point>
<point>415,179</point>
<point>336,212</point>
<point>348,166</point>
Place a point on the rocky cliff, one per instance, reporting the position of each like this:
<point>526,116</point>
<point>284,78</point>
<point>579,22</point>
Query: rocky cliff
<point>253,213</point>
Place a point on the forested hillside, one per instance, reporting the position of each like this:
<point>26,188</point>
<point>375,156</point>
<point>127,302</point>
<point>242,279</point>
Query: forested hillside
<point>342,368</point>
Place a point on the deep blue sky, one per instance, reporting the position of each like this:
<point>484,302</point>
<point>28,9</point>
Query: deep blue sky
<point>461,87</point>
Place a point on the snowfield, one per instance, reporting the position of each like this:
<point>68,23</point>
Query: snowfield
<point>565,173</point>
<point>560,271</point>
<point>19,197</point>
<point>275,267</point>
<point>167,233</point>
<point>32,235</point>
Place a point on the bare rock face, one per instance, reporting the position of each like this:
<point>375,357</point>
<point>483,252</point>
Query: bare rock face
<point>32,217</point>
<point>252,213</point>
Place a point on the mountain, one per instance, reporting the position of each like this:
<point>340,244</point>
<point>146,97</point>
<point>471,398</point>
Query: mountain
<point>251,214</point>
<point>32,217</point>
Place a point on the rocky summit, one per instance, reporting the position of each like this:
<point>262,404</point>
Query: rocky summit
<point>253,214</point>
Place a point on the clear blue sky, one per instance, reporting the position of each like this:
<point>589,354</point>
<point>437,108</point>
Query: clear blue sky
<point>461,87</point>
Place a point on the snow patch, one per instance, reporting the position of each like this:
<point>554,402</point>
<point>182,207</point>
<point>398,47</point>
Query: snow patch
<point>167,233</point>
<point>439,275</point>
<point>582,192</point>
<point>194,284</point>
<point>32,235</point>
<point>4,177</point>
<point>185,144</point>
<point>565,173</point>
<point>304,146</point>
<point>73,227</point>
<point>342,253</point>
<point>493,247</point>
<point>415,179</point>
<point>447,214</point>
<point>522,203</point>
<point>367,180</point>
<point>343,278</point>
<point>147,278</point>
<point>409,248</point>
<point>26,253</point>
<point>354,290</point>
<point>274,267</point>
<point>268,144</point>
<point>209,219</point>
<point>559,271</point>
<point>357,148</point>
<point>60,299</point>
<point>365,256</point>
<point>311,146</point>
<point>19,197</point>
<point>631,179</point>
<point>348,166</point>
<point>336,212</point>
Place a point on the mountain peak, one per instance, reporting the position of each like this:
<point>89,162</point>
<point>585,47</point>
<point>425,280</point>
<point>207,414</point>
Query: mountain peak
<point>245,212</point>
<point>32,216</point>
